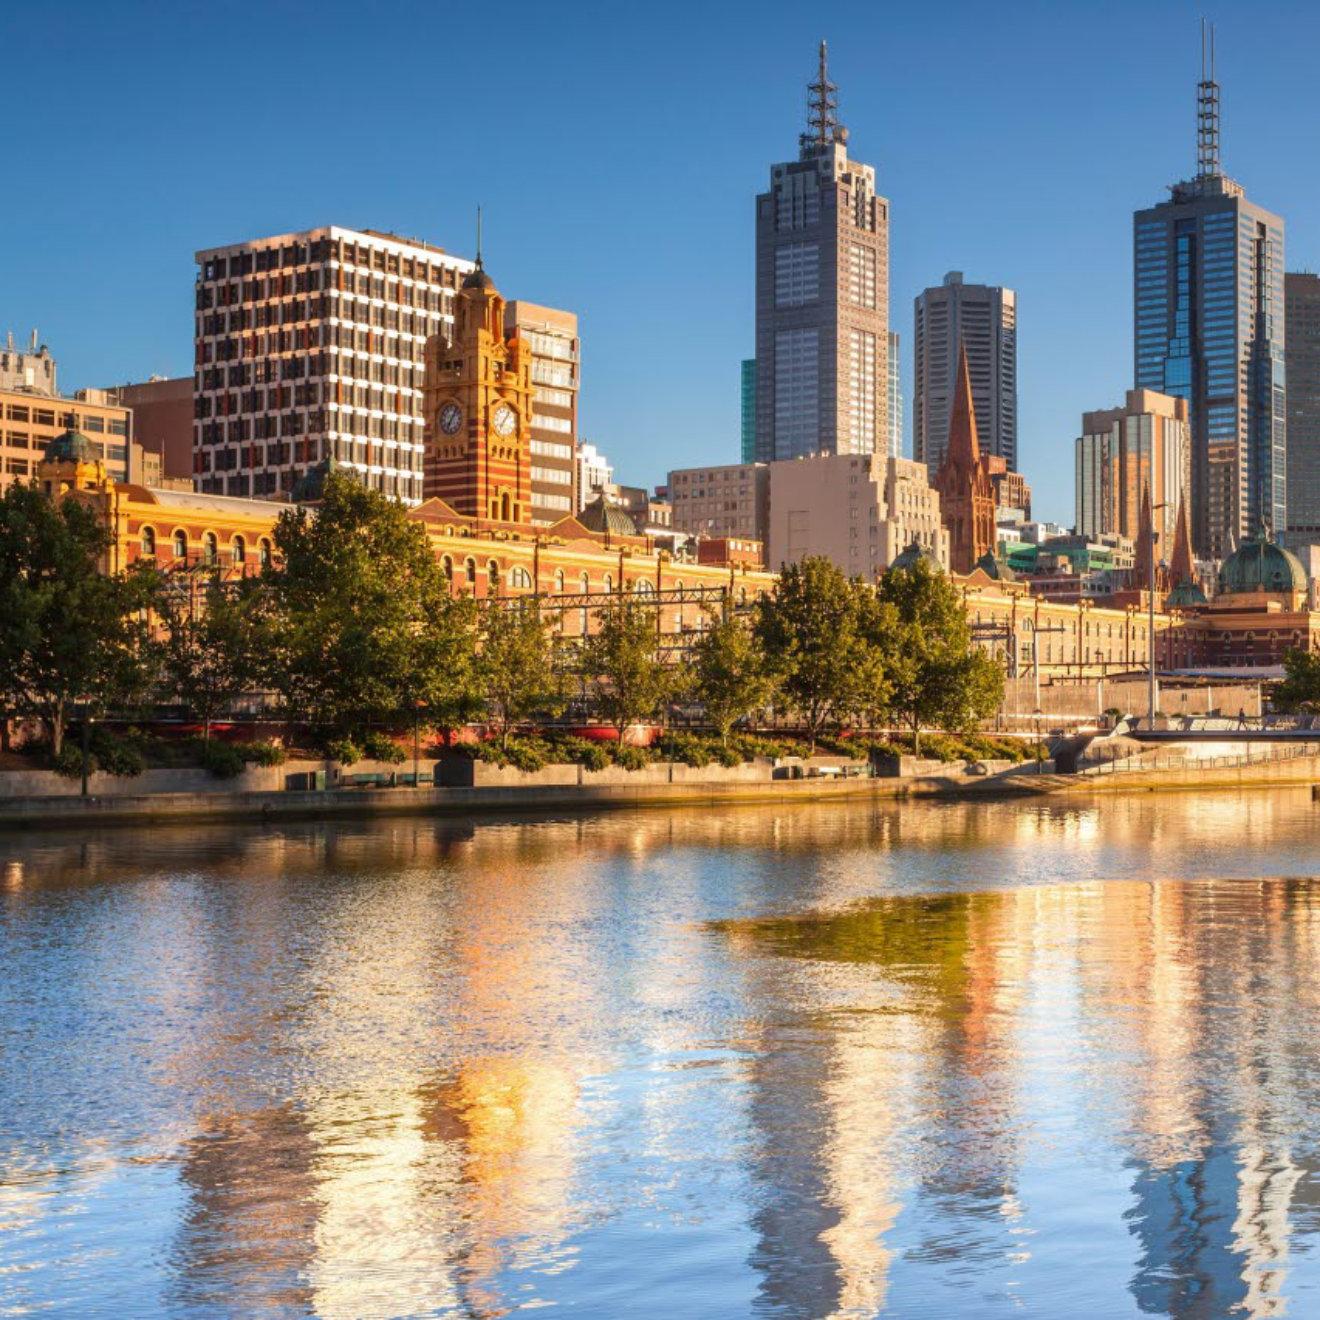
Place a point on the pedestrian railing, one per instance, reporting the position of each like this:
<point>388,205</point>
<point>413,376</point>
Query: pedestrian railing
<point>1178,760</point>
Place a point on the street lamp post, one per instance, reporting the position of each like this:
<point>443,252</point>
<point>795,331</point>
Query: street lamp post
<point>1150,640</point>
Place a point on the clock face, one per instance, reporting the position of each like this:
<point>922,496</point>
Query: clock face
<point>451,418</point>
<point>504,420</point>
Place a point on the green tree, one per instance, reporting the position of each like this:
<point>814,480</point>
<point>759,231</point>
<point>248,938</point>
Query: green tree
<point>730,674</point>
<point>940,678</point>
<point>517,664</point>
<point>214,645</point>
<point>817,631</point>
<point>1300,687</point>
<point>364,626</point>
<point>73,635</point>
<point>623,656</point>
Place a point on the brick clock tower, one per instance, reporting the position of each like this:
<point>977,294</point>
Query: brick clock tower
<point>478,406</point>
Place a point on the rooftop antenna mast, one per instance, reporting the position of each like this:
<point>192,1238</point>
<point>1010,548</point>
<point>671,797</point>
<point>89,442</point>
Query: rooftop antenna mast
<point>1207,110</point>
<point>479,265</point>
<point>822,107</point>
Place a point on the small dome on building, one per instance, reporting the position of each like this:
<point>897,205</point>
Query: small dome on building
<point>914,554</point>
<point>478,279</point>
<point>995,569</point>
<point>310,487</point>
<point>71,447</point>
<point>1261,566</point>
<point>1185,596</point>
<point>603,517</point>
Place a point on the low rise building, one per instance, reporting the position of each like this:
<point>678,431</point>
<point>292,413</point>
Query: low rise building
<point>860,511</point>
<point>29,421</point>
<point>162,422</point>
<point>727,500</point>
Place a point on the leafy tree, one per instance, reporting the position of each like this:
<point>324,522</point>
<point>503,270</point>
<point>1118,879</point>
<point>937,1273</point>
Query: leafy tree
<point>364,628</point>
<point>940,678</point>
<point>633,680</point>
<point>214,645</point>
<point>517,668</point>
<point>817,631</point>
<point>730,674</point>
<point>1300,688</point>
<point>73,634</point>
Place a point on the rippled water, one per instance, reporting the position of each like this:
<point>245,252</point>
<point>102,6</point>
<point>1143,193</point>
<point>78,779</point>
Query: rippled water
<point>976,1060</point>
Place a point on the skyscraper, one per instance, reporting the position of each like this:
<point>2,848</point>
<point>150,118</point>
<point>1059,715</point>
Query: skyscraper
<point>895,400</point>
<point>1302,316</point>
<point>1208,280</point>
<point>747,452</point>
<point>822,296</point>
<point>981,318</point>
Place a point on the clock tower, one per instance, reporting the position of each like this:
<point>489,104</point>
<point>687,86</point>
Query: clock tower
<point>477,406</point>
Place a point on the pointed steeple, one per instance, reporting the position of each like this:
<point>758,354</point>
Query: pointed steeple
<point>1145,539</point>
<point>964,445</point>
<point>1181,568</point>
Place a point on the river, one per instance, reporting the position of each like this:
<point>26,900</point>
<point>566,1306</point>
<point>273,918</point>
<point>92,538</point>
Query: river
<point>991,1059</point>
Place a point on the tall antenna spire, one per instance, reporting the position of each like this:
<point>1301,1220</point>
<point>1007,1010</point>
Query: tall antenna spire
<point>1207,110</point>
<point>822,107</point>
<point>479,265</point>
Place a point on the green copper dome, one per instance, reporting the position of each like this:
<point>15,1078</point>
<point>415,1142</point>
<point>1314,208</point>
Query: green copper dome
<point>603,517</point>
<point>1185,596</point>
<point>1260,565</point>
<point>996,569</point>
<point>914,554</point>
<point>72,447</point>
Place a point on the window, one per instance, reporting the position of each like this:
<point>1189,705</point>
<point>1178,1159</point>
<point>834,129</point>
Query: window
<point>493,577</point>
<point>263,552</point>
<point>180,545</point>
<point>210,548</point>
<point>447,566</point>
<point>521,578</point>
<point>470,571</point>
<point>149,542</point>
<point>559,580</point>
<point>861,275</point>
<point>797,274</point>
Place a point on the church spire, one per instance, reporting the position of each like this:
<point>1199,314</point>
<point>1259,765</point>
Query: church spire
<point>1181,568</point>
<point>964,444</point>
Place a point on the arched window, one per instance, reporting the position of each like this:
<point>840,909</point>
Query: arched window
<point>447,566</point>
<point>742,595</point>
<point>181,545</point>
<point>239,550</point>
<point>263,552</point>
<point>470,571</point>
<point>493,577</point>
<point>608,582</point>
<point>149,542</point>
<point>584,585</point>
<point>678,618</point>
<point>210,548</point>
<point>644,587</point>
<point>520,578</point>
<point>559,581</point>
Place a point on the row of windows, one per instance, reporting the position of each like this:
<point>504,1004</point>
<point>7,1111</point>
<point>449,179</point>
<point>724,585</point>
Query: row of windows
<point>210,547</point>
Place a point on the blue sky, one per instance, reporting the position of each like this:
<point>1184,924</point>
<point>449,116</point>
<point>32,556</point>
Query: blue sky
<point>617,151</point>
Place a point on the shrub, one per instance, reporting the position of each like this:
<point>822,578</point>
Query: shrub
<point>750,745</point>
<point>377,746</point>
<point>586,752</point>
<point>343,750</point>
<point>856,748</point>
<point>943,748</point>
<point>728,756</point>
<point>263,753</point>
<point>631,758</point>
<point>884,748</point>
<point>223,760</point>
<point>529,754</point>
<point>69,763</point>
<point>116,756</point>
<point>688,749</point>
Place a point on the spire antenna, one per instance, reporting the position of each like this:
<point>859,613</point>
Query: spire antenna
<point>479,265</point>
<point>1207,110</point>
<point>822,107</point>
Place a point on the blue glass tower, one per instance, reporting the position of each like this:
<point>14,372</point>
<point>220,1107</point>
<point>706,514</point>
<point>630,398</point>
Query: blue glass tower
<point>1208,283</point>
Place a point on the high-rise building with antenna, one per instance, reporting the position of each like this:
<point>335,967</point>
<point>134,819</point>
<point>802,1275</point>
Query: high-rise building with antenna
<point>1209,321</point>
<point>822,296</point>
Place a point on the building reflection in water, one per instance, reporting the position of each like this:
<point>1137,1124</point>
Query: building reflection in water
<point>406,1069</point>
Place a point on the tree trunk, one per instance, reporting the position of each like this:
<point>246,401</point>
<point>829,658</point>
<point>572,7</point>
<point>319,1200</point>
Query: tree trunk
<point>56,725</point>
<point>916,737</point>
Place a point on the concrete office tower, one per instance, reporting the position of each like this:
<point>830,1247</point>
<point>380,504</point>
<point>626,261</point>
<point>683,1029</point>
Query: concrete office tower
<point>983,319</point>
<point>859,511</point>
<point>747,450</point>
<point>594,474</point>
<point>162,422</point>
<point>30,368</point>
<point>1123,452</point>
<point>730,500</point>
<point>822,297</point>
<point>553,338</point>
<point>895,400</point>
<point>1208,277</point>
<point>309,348</point>
<point>1302,316</point>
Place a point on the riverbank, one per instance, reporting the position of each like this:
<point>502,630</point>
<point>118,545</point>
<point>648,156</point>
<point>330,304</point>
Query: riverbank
<point>501,800</point>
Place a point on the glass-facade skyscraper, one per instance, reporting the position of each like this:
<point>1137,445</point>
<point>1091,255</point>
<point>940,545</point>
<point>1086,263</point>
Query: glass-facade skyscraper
<point>822,297</point>
<point>748,451</point>
<point>1209,312</point>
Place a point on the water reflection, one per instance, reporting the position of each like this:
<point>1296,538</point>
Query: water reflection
<point>930,1060</point>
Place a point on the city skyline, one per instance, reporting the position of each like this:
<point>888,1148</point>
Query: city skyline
<point>578,245</point>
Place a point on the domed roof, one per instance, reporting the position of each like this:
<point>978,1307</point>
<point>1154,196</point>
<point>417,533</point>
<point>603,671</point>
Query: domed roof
<point>478,279</point>
<point>72,447</point>
<point>310,487</point>
<point>915,553</point>
<point>602,516</point>
<point>994,568</point>
<point>1261,566</point>
<point>1185,596</point>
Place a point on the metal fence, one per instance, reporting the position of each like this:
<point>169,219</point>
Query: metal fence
<point>1182,760</point>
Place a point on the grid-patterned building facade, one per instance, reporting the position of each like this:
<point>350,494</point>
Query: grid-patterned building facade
<point>552,336</point>
<point>309,346</point>
<point>1302,317</point>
